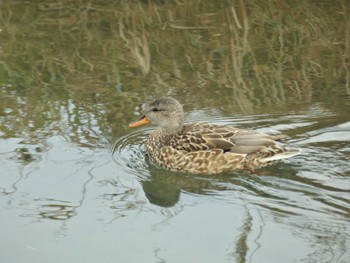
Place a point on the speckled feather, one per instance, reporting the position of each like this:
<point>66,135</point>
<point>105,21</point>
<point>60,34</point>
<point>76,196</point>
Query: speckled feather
<point>207,148</point>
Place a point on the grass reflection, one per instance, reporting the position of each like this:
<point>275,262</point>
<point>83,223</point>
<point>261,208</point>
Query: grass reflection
<point>115,54</point>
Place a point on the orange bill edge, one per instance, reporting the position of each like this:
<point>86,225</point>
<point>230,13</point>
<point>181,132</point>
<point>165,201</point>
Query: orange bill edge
<point>143,120</point>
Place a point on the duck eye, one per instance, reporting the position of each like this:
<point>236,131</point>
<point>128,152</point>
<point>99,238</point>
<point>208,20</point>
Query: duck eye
<point>155,110</point>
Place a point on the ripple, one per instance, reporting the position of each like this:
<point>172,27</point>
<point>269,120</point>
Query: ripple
<point>312,182</point>
<point>128,153</point>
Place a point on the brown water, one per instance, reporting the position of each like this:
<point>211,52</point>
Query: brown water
<point>75,184</point>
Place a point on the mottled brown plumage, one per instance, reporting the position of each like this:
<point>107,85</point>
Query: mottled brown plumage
<point>202,148</point>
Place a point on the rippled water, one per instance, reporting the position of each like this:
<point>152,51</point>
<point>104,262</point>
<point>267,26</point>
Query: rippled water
<point>111,199</point>
<point>298,208</point>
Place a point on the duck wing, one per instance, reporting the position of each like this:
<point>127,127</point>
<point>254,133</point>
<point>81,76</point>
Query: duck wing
<point>203,136</point>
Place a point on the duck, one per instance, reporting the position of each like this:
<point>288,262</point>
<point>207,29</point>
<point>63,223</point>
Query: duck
<point>205,148</point>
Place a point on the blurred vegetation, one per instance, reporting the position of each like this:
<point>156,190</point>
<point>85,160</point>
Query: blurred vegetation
<point>95,60</point>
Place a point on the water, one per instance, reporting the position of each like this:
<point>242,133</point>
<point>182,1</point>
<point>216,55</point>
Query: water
<point>75,182</point>
<point>113,205</point>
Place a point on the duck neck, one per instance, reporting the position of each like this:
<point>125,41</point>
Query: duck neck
<point>170,130</point>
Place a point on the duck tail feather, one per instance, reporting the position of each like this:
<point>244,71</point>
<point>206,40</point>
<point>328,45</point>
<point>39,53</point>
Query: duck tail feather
<point>290,152</point>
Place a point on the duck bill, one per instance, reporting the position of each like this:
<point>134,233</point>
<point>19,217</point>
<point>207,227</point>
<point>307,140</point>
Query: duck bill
<point>143,120</point>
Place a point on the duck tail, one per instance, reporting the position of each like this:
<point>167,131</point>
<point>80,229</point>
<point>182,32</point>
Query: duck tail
<point>289,152</point>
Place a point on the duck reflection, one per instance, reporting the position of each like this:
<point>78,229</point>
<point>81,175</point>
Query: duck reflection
<point>163,188</point>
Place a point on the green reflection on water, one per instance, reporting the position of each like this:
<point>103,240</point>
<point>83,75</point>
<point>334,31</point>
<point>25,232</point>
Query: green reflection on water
<point>248,57</point>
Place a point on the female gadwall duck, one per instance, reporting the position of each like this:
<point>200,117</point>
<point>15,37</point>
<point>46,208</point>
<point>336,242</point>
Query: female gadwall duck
<point>202,148</point>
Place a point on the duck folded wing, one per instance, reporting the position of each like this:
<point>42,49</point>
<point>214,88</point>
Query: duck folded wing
<point>237,141</point>
<point>241,145</point>
<point>220,143</point>
<point>245,146</point>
